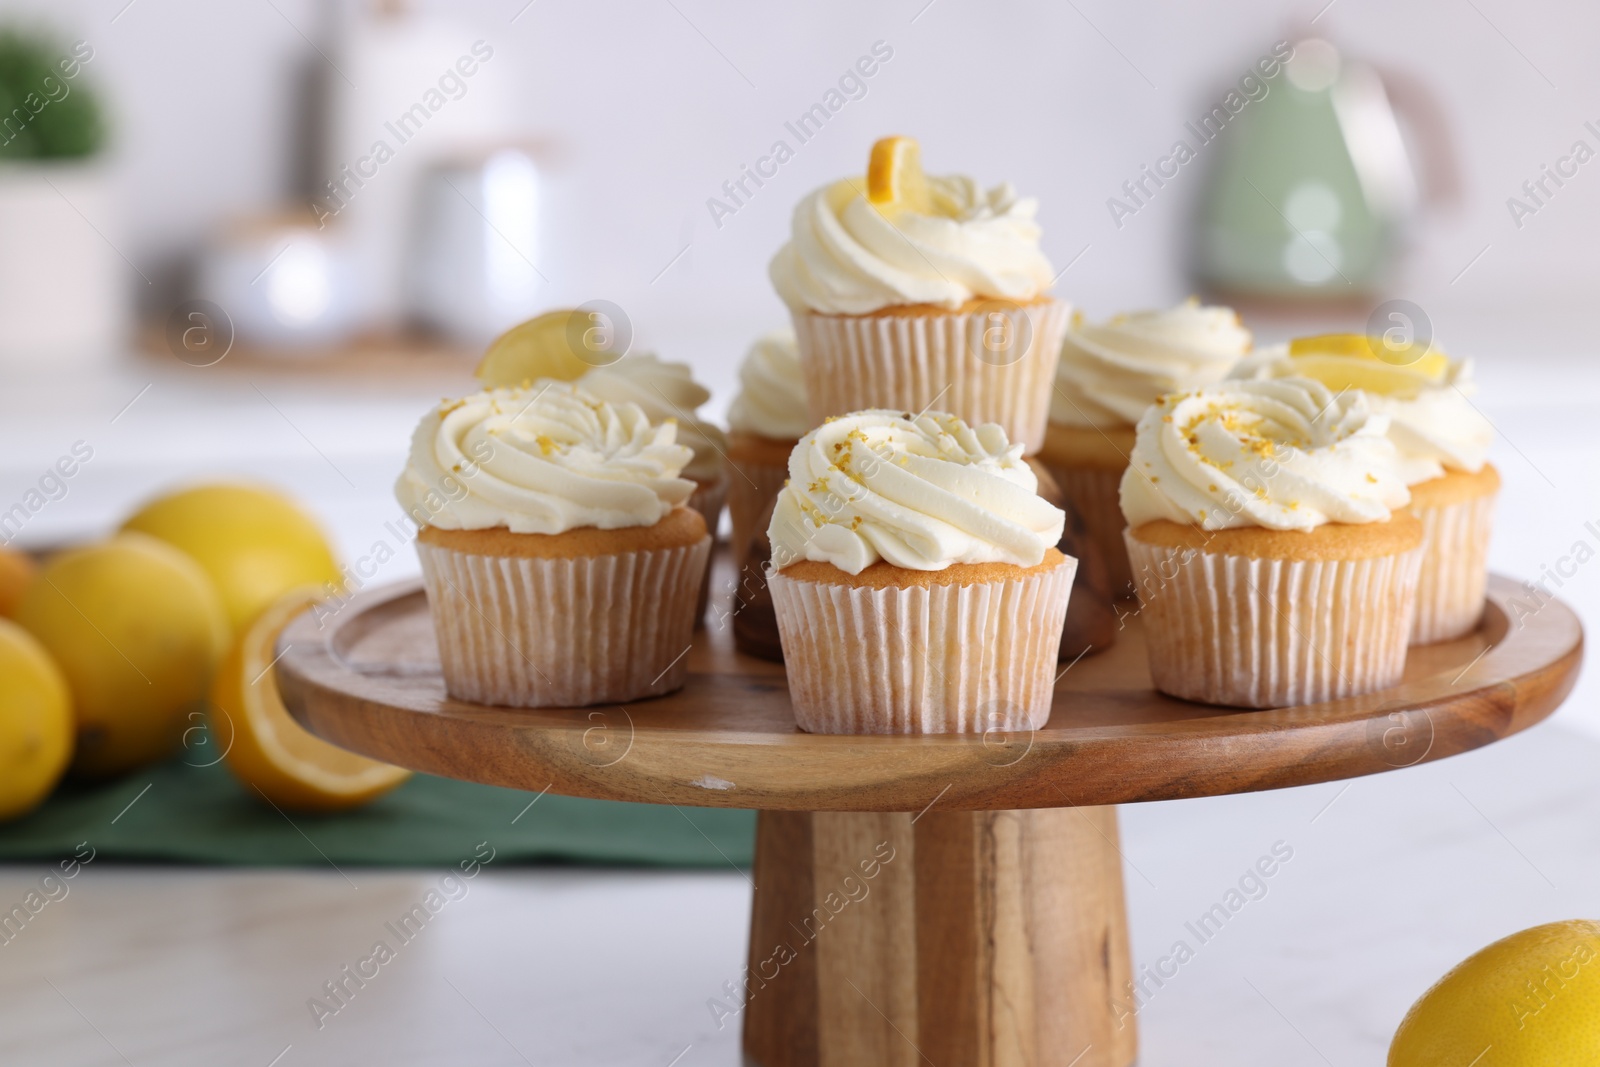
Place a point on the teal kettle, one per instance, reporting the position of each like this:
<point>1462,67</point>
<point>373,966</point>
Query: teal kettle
<point>1313,184</point>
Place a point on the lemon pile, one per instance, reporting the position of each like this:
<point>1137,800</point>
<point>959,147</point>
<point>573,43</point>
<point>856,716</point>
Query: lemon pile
<point>111,652</point>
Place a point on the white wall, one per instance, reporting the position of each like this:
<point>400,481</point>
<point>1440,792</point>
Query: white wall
<point>1064,100</point>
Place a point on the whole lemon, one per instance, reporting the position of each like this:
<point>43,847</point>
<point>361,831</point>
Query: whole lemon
<point>256,544</point>
<point>1529,1000</point>
<point>16,571</point>
<point>35,722</point>
<point>137,630</point>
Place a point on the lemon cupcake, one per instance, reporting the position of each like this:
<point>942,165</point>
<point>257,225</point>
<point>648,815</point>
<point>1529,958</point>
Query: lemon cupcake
<point>665,392</point>
<point>591,347</point>
<point>1110,373</point>
<point>560,561</point>
<point>912,293</point>
<point>915,577</point>
<point>765,421</point>
<point>1273,557</point>
<point>1443,444</point>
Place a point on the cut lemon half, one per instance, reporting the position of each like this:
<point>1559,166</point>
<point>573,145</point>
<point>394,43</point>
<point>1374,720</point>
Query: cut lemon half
<point>538,348</point>
<point>266,748</point>
<point>894,176</point>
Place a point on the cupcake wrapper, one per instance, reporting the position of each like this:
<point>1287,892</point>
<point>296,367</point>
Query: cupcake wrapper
<point>1455,569</point>
<point>533,633</point>
<point>1096,493</point>
<point>707,499</point>
<point>750,489</point>
<point>1263,633</point>
<point>942,659</point>
<point>914,362</point>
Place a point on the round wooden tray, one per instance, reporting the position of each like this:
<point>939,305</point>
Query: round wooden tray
<point>989,926</point>
<point>368,680</point>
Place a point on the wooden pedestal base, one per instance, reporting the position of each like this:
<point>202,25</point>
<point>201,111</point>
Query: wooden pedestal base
<point>984,939</point>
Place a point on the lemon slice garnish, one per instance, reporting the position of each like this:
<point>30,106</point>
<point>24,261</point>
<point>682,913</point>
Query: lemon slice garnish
<point>538,348</point>
<point>1372,364</point>
<point>894,176</point>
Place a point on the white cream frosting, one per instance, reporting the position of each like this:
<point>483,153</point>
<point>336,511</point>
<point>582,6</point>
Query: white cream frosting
<point>919,493</point>
<point>846,257</point>
<point>1435,429</point>
<point>1111,371</point>
<point>772,390</point>
<point>541,459</point>
<point>665,391</point>
<point>1283,453</point>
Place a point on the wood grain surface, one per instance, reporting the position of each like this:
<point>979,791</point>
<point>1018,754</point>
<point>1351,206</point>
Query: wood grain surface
<point>366,677</point>
<point>988,939</point>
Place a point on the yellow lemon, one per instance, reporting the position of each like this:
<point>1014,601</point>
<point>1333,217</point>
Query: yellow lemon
<point>1372,364</point>
<point>1529,1000</point>
<point>540,348</point>
<point>269,750</point>
<point>35,722</point>
<point>895,178</point>
<point>256,544</point>
<point>137,629</point>
<point>16,571</point>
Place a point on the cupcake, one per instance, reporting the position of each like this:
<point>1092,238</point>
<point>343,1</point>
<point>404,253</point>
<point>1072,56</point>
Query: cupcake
<point>1443,444</point>
<point>764,422</point>
<point>1273,557</point>
<point>913,293</point>
<point>1110,373</point>
<point>560,561</point>
<point>915,577</point>
<point>667,391</point>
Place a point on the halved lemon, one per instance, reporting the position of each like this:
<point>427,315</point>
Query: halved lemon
<point>266,748</point>
<point>538,348</point>
<point>894,176</point>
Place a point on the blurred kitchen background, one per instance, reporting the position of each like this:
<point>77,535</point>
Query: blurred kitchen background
<point>547,153</point>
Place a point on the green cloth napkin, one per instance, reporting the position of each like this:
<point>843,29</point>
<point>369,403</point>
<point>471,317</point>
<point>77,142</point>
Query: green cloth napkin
<point>176,812</point>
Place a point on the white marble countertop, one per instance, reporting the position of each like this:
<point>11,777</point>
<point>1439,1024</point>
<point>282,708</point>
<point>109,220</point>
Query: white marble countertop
<point>1393,879</point>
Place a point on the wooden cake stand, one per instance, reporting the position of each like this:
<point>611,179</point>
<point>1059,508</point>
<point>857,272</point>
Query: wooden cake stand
<point>954,900</point>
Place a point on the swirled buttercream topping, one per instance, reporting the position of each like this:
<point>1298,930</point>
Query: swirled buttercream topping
<point>543,459</point>
<point>1111,371</point>
<point>918,492</point>
<point>849,256</point>
<point>1286,454</point>
<point>1426,395</point>
<point>665,391</point>
<point>772,390</point>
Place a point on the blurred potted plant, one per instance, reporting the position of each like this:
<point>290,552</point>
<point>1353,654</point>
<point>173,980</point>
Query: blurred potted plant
<point>62,283</point>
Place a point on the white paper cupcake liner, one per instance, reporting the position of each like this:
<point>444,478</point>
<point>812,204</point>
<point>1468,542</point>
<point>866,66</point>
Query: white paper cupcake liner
<point>1096,493</point>
<point>1264,633</point>
<point>750,489</point>
<point>1455,569</point>
<point>975,658</point>
<point>534,633</point>
<point>708,499</point>
<point>915,362</point>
